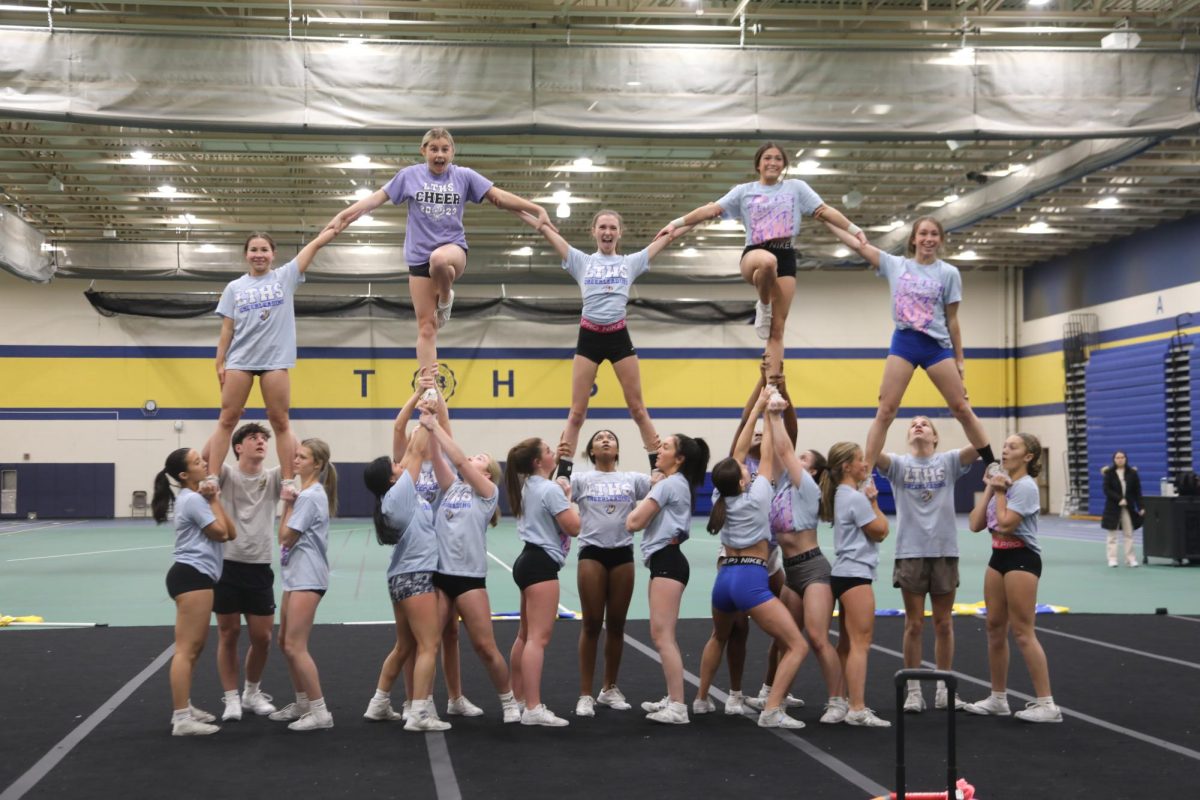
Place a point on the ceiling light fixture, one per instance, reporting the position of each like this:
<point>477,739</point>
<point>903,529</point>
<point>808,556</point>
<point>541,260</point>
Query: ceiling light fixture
<point>166,189</point>
<point>563,211</point>
<point>360,160</point>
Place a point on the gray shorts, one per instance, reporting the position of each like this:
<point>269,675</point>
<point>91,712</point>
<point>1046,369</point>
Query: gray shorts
<point>409,584</point>
<point>926,575</point>
<point>807,568</point>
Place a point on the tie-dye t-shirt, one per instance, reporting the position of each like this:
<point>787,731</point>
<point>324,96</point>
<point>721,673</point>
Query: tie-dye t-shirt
<point>769,212</point>
<point>920,294</point>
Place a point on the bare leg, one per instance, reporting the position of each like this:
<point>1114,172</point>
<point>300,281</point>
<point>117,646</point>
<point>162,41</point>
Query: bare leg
<point>229,629</point>
<point>620,592</point>
<point>1021,590</point>
<point>593,591</point>
<point>276,388</point>
<point>858,606</point>
<point>192,612</point>
<point>818,616</point>
<point>630,377</point>
<point>943,629</point>
<point>234,393</point>
<point>583,375</point>
<point>302,609</point>
<point>542,609</point>
<point>710,659</point>
<point>897,373</point>
<point>776,621</point>
<point>996,599</point>
<point>476,613</point>
<point>945,377</point>
<point>914,627</point>
<point>665,594</point>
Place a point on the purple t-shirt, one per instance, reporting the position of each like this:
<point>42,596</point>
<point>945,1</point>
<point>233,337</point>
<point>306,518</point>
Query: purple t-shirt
<point>435,206</point>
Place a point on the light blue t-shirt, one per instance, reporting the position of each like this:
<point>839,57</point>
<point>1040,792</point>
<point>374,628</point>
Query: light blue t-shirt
<point>924,492</point>
<point>605,500</point>
<point>770,212</point>
<point>746,515</point>
<point>1025,499</point>
<point>427,482</point>
<point>264,319</point>
<point>921,293</point>
<point>406,511</point>
<point>857,555</point>
<point>796,508</point>
<point>541,502</point>
<point>307,564</point>
<point>435,206</point>
<point>192,515</point>
<point>605,281</point>
<point>674,518</point>
<point>461,523</point>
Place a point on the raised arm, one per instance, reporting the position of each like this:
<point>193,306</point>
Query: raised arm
<point>476,478</point>
<point>785,452</point>
<point>830,215</point>
<point>560,245</point>
<point>766,465</point>
<point>660,242</point>
<point>696,215</point>
<point>346,216</point>
<point>868,251</point>
<point>223,342</point>
<point>511,202</point>
<point>400,426</point>
<point>967,455</point>
<point>956,338</point>
<point>745,437</point>
<point>790,423</point>
<point>306,255</point>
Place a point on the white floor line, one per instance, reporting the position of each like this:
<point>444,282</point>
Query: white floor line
<point>91,553</point>
<point>45,527</point>
<point>1185,619</point>
<point>1110,646</point>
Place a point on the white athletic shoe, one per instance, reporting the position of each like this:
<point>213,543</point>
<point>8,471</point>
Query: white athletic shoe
<point>312,721</point>
<point>673,714</point>
<point>777,718</point>
<point>289,713</point>
<point>201,716</point>
<point>735,703</point>
<point>835,710</point>
<point>189,726</point>
<point>421,718</point>
<point>233,709</point>
<point>759,702</point>
<point>914,703</point>
<point>259,702</point>
<point>443,311</point>
<point>586,707</point>
<point>614,699</point>
<point>512,711</point>
<point>650,706</point>
<point>703,705</point>
<point>540,715</point>
<point>762,319</point>
<point>943,695</point>
<point>462,707</point>
<point>865,718</point>
<point>381,711</point>
<point>1040,712</point>
<point>990,706</point>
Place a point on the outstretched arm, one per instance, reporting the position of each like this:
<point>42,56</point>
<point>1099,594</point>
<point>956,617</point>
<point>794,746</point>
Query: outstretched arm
<point>785,452</point>
<point>830,215</point>
<point>346,216</point>
<point>696,215</point>
<point>660,242</point>
<point>745,437</point>
<point>309,252</point>
<point>868,251</point>
<point>511,202</point>
<point>560,245</point>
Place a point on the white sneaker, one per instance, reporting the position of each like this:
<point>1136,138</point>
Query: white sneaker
<point>586,707</point>
<point>865,718</point>
<point>613,698</point>
<point>540,715</point>
<point>405,710</point>
<point>703,705</point>
<point>462,707</point>
<point>650,706</point>
<point>835,710</point>
<point>423,719</point>
<point>1040,712</point>
<point>201,716</point>
<point>312,721</point>
<point>381,711</point>
<point>290,713</point>
<point>443,311</point>
<point>760,702</point>
<point>1131,563</point>
<point>914,703</point>
<point>512,711</point>
<point>990,706</point>
<point>189,726</point>
<point>673,714</point>
<point>259,703</point>
<point>939,699</point>
<point>762,319</point>
<point>1112,562</point>
<point>233,709</point>
<point>777,718</point>
<point>735,703</point>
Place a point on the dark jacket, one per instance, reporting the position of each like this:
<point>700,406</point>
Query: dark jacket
<point>1112,498</point>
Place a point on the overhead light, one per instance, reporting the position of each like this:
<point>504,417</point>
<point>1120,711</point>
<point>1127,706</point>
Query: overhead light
<point>1111,201</point>
<point>628,83</point>
<point>808,166</point>
<point>953,145</point>
<point>1121,40</point>
<point>951,198</point>
<point>966,255</point>
<point>166,189</point>
<point>563,211</point>
<point>583,162</point>
<point>360,160</point>
<point>208,248</point>
<point>524,252</point>
<point>362,192</point>
<point>1038,3</point>
<point>186,219</point>
<point>47,247</point>
<point>110,232</point>
<point>852,199</point>
<point>366,219</point>
<point>689,252</point>
<point>562,196</point>
<point>139,155</point>
<point>1038,227</point>
<point>896,223</point>
<point>599,158</point>
<point>354,41</point>
<point>962,57</point>
<point>821,153</point>
<point>841,252</point>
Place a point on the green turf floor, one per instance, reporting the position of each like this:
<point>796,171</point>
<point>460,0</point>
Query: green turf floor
<point>113,571</point>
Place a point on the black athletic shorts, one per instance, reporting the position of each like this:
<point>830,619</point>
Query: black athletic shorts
<point>454,585</point>
<point>534,565</point>
<point>842,585</point>
<point>670,562</point>
<point>785,255</point>
<point>610,557</point>
<point>597,347</point>
<point>1016,558</point>
<point>184,578</point>
<point>245,589</point>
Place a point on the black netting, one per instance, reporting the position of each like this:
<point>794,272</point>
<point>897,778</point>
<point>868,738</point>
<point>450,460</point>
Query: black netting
<point>553,311</point>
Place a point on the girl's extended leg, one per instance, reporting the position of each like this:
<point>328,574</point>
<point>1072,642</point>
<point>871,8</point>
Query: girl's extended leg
<point>945,377</point>
<point>583,375</point>
<point>276,387</point>
<point>665,594</point>
<point>234,393</point>
<point>1020,587</point>
<point>593,592</point>
<point>192,613</point>
<point>476,613</point>
<point>541,607</point>
<point>897,373</point>
<point>620,593</point>
<point>630,377</point>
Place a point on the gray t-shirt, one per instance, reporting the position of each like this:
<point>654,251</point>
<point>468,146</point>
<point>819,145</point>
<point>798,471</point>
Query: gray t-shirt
<point>250,501</point>
<point>427,482</point>
<point>605,281</point>
<point>795,508</point>
<point>307,564</point>
<point>541,501</point>
<point>406,511</point>
<point>192,547</point>
<point>746,515</point>
<point>673,522</point>
<point>920,294</point>
<point>770,212</point>
<point>264,319</point>
<point>1024,499</point>
<point>857,553</point>
<point>924,492</point>
<point>605,500</point>
<point>461,523</point>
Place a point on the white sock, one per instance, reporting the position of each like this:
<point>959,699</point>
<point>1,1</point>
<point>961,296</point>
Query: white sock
<point>302,699</point>
<point>381,695</point>
<point>1048,700</point>
<point>765,690</point>
<point>180,714</point>
<point>252,687</point>
<point>231,694</point>
<point>914,686</point>
<point>507,697</point>
<point>1000,696</point>
<point>317,705</point>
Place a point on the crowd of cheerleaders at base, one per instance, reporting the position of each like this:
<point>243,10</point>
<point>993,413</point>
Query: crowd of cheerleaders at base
<point>434,502</point>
